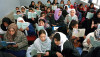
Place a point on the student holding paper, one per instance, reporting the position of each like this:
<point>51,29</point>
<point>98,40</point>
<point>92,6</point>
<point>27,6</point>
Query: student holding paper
<point>62,47</point>
<point>32,5</point>
<point>55,2</point>
<point>91,8</point>
<point>29,30</point>
<point>91,40</point>
<point>14,35</point>
<point>32,16</point>
<point>41,46</point>
<point>57,19</point>
<point>23,10</point>
<point>71,16</point>
<point>69,5</point>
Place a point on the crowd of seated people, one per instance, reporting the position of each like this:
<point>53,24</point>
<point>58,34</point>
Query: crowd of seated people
<point>51,30</point>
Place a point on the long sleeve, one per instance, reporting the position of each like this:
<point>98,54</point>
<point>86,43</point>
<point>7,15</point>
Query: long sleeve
<point>31,30</point>
<point>23,41</point>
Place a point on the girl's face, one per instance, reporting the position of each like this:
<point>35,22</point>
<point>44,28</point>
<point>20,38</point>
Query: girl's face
<point>92,6</point>
<point>56,42</point>
<point>60,12</point>
<point>98,15</point>
<point>22,9</point>
<point>18,13</point>
<point>33,3</point>
<point>76,26</point>
<point>17,8</point>
<point>43,37</point>
<point>41,23</point>
<point>30,10</point>
<point>43,15</point>
<point>45,8</point>
<point>61,2</point>
<point>48,2</point>
<point>11,31</point>
<point>37,8</point>
<point>72,13</point>
<point>5,24</point>
<point>48,10</point>
<point>55,1</point>
<point>68,2</point>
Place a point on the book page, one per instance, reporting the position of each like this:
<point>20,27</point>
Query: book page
<point>29,15</point>
<point>78,32</point>
<point>33,15</point>
<point>89,15</point>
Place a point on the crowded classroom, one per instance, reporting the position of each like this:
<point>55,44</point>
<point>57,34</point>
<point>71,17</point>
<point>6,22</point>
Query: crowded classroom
<point>52,29</point>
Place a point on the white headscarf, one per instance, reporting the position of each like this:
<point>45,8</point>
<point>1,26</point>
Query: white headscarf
<point>72,10</point>
<point>40,46</point>
<point>63,39</point>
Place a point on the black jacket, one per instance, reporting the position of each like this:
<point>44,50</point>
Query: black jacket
<point>64,13</point>
<point>68,50</point>
<point>59,22</point>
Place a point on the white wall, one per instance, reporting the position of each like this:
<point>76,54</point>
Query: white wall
<point>7,6</point>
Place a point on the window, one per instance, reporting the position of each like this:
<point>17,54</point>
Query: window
<point>94,1</point>
<point>99,2</point>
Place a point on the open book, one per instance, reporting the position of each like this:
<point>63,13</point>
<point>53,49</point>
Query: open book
<point>78,32</point>
<point>31,15</point>
<point>4,43</point>
<point>22,25</point>
<point>38,28</point>
<point>16,16</point>
<point>94,42</point>
<point>70,18</point>
<point>38,12</point>
<point>54,7</point>
<point>48,5</point>
<point>27,11</point>
<point>89,15</point>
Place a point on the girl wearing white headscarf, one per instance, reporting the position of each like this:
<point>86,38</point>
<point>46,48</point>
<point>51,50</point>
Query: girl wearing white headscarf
<point>41,46</point>
<point>62,47</point>
<point>71,15</point>
<point>29,31</point>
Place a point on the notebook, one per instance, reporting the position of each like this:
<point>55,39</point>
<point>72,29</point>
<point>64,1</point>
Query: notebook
<point>31,15</point>
<point>16,16</point>
<point>89,15</point>
<point>54,7</point>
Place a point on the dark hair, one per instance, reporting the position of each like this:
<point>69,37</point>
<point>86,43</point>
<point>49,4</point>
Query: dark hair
<point>42,20</point>
<point>73,23</point>
<point>66,7</point>
<point>42,13</point>
<point>18,11</point>
<point>32,2</point>
<point>48,1</point>
<point>7,20</point>
<point>57,36</point>
<point>30,9</point>
<point>98,11</point>
<point>17,7</point>
<point>42,32</point>
<point>91,4</point>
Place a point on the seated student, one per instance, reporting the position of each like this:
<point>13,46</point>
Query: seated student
<point>41,46</point>
<point>40,5</point>
<point>5,23</point>
<point>55,2</point>
<point>91,8</point>
<point>33,20</point>
<point>87,43</point>
<point>72,16</point>
<point>69,5</point>
<point>43,16</point>
<point>62,47</point>
<point>32,5</point>
<point>81,8</point>
<point>17,9</point>
<point>29,31</point>
<point>14,35</point>
<point>49,2</point>
<point>65,12</point>
<point>57,19</point>
<point>97,17</point>
<point>42,22</point>
<point>23,10</point>
<point>62,3</point>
